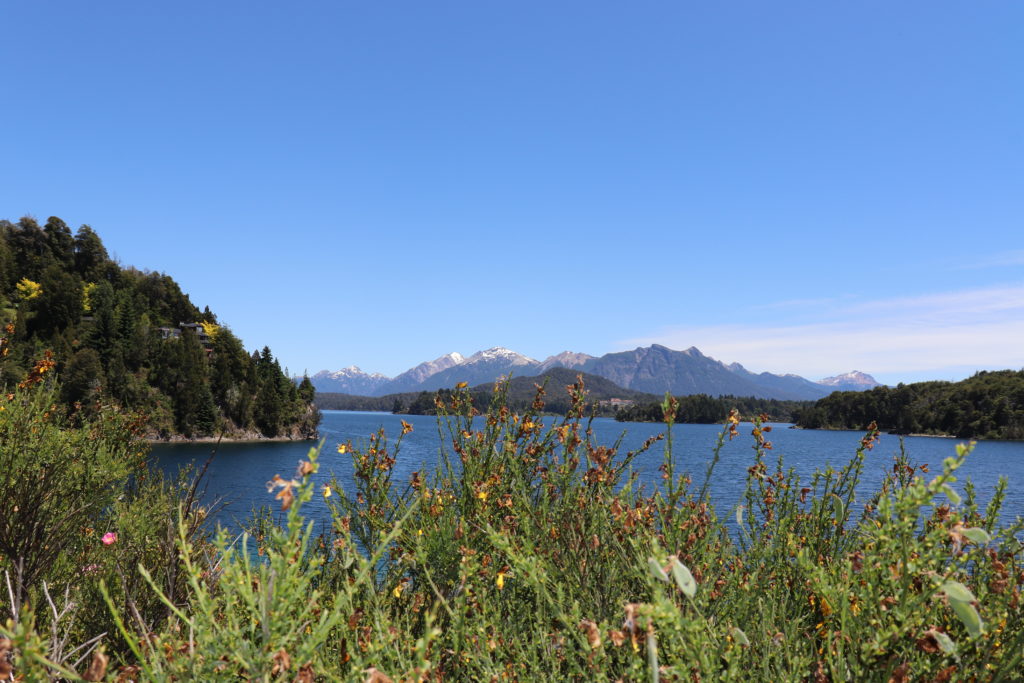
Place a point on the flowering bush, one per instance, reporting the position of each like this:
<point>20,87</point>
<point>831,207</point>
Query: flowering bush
<point>529,553</point>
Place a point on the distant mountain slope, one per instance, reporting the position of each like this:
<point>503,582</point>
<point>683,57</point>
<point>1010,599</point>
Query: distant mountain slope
<point>788,387</point>
<point>657,369</point>
<point>565,359</point>
<point>654,369</point>
<point>413,379</point>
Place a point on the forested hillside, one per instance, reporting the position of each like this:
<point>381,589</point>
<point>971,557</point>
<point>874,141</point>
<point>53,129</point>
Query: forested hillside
<point>988,405</point>
<point>133,338</point>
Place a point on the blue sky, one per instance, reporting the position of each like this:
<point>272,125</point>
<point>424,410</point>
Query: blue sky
<point>804,187</point>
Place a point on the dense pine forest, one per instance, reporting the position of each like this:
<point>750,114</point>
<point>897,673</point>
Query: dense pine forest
<point>132,338</point>
<point>988,405</point>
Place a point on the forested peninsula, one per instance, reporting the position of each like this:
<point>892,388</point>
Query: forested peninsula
<point>988,405</point>
<point>704,409</point>
<point>132,339</point>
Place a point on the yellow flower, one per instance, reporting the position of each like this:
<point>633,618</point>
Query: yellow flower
<point>398,590</point>
<point>211,329</point>
<point>87,292</point>
<point>343,448</point>
<point>327,491</point>
<point>482,495</point>
<point>406,427</point>
<point>499,581</point>
<point>28,289</point>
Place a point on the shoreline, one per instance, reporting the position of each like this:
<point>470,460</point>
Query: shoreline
<point>175,440</point>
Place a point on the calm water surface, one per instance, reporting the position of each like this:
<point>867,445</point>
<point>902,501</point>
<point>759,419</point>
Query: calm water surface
<point>239,472</point>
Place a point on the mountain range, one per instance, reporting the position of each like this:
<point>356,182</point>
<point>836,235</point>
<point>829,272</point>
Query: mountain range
<point>653,369</point>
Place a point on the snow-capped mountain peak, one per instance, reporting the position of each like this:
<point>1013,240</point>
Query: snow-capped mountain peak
<point>851,380</point>
<point>350,371</point>
<point>500,354</point>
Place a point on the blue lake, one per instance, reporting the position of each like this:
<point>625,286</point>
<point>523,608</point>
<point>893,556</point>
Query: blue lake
<point>239,471</point>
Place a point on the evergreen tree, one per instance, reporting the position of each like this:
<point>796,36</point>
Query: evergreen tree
<point>82,378</point>
<point>90,255</point>
<point>306,390</point>
<point>61,243</point>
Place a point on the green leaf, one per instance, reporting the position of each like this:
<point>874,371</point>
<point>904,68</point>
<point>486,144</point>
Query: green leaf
<point>739,636</point>
<point>977,535</point>
<point>739,515</point>
<point>946,643</point>
<point>652,657</point>
<point>957,592</point>
<point>656,570</point>
<point>953,496</point>
<point>838,509</point>
<point>969,616</point>
<point>684,579</point>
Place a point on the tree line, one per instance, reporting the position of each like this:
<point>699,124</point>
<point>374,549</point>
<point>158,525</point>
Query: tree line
<point>133,338</point>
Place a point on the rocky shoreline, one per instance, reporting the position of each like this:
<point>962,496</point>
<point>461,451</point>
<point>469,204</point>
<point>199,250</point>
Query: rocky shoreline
<point>240,436</point>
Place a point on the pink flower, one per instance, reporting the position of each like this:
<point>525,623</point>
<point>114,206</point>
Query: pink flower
<point>109,538</point>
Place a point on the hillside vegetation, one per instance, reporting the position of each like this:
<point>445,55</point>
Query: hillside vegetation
<point>133,338</point>
<point>988,405</point>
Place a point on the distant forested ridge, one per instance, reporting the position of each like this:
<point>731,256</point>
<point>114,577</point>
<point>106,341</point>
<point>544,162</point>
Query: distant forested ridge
<point>133,338</point>
<point>988,405</point>
<point>704,409</point>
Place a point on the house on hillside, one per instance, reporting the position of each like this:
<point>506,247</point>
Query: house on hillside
<point>616,403</point>
<point>195,328</point>
<point>199,331</point>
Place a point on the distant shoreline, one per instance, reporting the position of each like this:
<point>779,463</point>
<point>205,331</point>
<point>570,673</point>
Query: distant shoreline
<point>931,436</point>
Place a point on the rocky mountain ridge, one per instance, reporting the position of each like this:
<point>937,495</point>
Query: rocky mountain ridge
<point>653,369</point>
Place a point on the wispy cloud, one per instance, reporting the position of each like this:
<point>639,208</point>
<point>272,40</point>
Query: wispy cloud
<point>982,328</point>
<point>812,303</point>
<point>1013,257</point>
